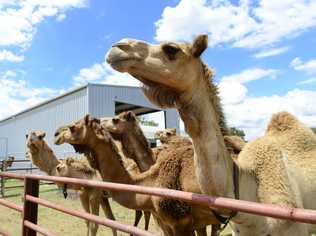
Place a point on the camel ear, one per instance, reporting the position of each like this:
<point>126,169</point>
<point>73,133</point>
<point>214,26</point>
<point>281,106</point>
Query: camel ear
<point>130,116</point>
<point>87,119</point>
<point>199,45</point>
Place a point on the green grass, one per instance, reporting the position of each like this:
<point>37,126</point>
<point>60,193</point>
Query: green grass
<point>57,222</point>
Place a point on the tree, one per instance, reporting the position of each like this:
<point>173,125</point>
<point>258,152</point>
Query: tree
<point>142,120</point>
<point>237,132</point>
<point>314,129</point>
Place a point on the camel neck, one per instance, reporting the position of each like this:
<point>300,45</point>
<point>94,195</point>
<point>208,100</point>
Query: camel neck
<point>111,168</point>
<point>109,162</point>
<point>45,160</point>
<point>136,147</point>
<point>212,162</point>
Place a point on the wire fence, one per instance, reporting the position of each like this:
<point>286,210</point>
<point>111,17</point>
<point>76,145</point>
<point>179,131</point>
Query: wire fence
<point>31,202</point>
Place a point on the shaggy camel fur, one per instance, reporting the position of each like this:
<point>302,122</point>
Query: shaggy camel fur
<point>44,158</point>
<point>126,128</point>
<point>174,76</point>
<point>175,171</point>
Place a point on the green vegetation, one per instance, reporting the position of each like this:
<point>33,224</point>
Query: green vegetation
<point>238,132</point>
<point>143,121</point>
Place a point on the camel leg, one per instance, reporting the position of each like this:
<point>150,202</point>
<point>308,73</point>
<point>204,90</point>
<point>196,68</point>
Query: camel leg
<point>84,199</point>
<point>95,207</point>
<point>108,211</point>
<point>147,219</point>
<point>138,216</point>
<point>201,232</point>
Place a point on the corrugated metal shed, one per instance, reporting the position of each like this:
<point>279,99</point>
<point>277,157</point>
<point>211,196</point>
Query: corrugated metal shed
<point>98,100</point>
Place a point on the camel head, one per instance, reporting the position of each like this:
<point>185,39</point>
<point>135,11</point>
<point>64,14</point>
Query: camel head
<point>74,168</point>
<point>35,140</point>
<point>165,135</point>
<point>169,71</point>
<point>120,124</point>
<point>78,132</point>
<point>234,145</point>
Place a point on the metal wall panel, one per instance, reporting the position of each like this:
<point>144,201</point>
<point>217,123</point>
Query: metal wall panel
<point>98,100</point>
<point>47,118</point>
<point>102,101</point>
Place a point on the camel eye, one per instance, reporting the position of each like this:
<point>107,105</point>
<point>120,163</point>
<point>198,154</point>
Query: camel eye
<point>72,128</point>
<point>170,51</point>
<point>115,121</point>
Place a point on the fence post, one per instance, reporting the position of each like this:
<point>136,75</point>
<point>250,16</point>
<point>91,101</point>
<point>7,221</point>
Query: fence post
<point>31,187</point>
<point>2,180</point>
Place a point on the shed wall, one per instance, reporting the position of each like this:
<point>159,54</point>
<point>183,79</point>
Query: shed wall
<point>46,118</point>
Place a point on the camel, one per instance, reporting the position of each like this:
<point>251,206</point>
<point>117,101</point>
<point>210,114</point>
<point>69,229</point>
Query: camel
<point>5,164</point>
<point>174,76</point>
<point>165,135</point>
<point>126,128</point>
<point>44,158</point>
<point>171,171</point>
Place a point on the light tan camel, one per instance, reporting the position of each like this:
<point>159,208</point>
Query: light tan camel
<point>174,76</point>
<point>44,158</point>
<point>165,135</point>
<point>174,171</point>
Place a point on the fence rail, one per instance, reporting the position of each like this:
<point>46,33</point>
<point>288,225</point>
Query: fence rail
<point>31,201</point>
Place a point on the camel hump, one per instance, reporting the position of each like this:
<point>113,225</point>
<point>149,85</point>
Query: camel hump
<point>282,121</point>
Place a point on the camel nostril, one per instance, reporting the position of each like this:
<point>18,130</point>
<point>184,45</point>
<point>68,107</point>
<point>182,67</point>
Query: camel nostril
<point>58,168</point>
<point>121,45</point>
<point>56,134</point>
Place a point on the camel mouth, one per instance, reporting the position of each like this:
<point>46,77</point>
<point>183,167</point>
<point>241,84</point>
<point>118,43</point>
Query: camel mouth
<point>120,60</point>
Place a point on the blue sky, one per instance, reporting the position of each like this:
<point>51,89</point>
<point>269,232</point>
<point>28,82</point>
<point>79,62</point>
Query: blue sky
<point>263,52</point>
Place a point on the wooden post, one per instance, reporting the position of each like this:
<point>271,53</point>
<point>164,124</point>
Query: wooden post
<point>31,187</point>
<point>2,179</point>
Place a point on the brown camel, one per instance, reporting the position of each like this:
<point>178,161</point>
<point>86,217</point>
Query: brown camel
<point>126,128</point>
<point>174,76</point>
<point>5,164</point>
<point>44,158</point>
<point>174,171</point>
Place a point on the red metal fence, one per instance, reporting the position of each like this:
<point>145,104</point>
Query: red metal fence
<point>31,202</point>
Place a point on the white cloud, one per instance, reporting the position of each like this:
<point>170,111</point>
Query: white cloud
<point>16,95</point>
<point>19,19</point>
<point>271,52</point>
<point>6,55</point>
<point>252,113</point>
<point>250,75</point>
<point>308,81</point>
<point>232,86</point>
<point>103,73</point>
<point>309,66</point>
<point>244,24</point>
<point>61,17</point>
